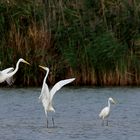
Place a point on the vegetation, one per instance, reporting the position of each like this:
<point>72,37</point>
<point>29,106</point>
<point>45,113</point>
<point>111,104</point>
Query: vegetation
<point>98,42</point>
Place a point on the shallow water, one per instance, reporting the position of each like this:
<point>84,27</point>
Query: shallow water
<point>22,116</point>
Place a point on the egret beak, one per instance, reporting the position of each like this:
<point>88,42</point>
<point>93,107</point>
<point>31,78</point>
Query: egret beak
<point>114,102</point>
<point>42,67</point>
<point>26,62</point>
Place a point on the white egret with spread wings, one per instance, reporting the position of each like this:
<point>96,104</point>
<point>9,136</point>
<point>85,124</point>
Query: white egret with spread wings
<point>47,95</point>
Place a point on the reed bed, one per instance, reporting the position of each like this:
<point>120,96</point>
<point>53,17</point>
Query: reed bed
<point>98,42</point>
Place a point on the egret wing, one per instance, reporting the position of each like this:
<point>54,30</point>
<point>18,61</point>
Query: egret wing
<point>59,85</point>
<point>5,71</point>
<point>104,112</point>
<point>10,80</point>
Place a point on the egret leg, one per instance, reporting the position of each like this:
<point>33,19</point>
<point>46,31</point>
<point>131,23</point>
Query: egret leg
<point>53,121</point>
<point>47,123</point>
<point>47,119</point>
<point>107,122</point>
<point>103,122</point>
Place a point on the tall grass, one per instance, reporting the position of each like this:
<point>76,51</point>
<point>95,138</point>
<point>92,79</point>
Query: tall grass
<point>95,41</point>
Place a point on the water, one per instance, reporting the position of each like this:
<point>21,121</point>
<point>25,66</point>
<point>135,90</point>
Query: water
<point>76,118</point>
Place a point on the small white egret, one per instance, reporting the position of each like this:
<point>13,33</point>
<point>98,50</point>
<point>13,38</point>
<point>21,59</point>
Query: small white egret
<point>105,112</point>
<point>46,96</point>
<point>7,74</point>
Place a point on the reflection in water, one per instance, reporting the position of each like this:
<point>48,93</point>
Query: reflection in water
<point>76,116</point>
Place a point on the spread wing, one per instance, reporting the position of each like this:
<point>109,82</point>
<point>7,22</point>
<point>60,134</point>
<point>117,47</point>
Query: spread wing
<point>59,85</point>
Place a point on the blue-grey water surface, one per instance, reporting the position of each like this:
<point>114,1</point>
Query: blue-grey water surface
<point>76,118</point>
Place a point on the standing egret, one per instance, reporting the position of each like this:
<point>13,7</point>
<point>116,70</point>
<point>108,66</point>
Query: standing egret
<point>47,95</point>
<point>7,74</point>
<point>105,112</point>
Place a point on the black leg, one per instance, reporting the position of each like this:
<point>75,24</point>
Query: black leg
<point>47,123</point>
<point>107,122</point>
<point>53,121</point>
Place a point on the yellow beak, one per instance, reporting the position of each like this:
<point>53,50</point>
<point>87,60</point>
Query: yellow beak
<point>42,67</point>
<point>26,62</point>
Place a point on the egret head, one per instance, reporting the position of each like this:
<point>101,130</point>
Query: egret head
<point>22,60</point>
<point>44,68</point>
<point>112,100</point>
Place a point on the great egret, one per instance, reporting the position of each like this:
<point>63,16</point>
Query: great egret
<point>47,95</point>
<point>105,112</point>
<point>6,74</point>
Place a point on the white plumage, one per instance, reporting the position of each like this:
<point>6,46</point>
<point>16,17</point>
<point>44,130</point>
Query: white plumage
<point>105,112</point>
<point>7,74</point>
<point>46,96</point>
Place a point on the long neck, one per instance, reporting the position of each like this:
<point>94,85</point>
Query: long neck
<point>109,103</point>
<point>44,84</point>
<point>16,69</point>
<point>44,81</point>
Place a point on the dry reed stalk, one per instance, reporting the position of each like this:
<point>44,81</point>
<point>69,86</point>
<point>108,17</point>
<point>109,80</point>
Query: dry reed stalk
<point>92,79</point>
<point>103,12</point>
<point>15,38</point>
